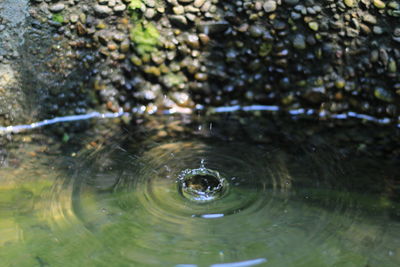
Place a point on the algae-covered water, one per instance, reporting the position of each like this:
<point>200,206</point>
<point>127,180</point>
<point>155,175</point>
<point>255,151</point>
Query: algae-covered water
<point>120,203</point>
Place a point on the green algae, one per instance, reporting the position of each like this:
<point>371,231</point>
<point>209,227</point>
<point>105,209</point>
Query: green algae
<point>135,5</point>
<point>145,37</point>
<point>58,18</point>
<point>143,34</point>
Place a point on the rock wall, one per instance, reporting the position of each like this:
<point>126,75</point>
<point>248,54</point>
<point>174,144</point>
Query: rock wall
<point>335,56</point>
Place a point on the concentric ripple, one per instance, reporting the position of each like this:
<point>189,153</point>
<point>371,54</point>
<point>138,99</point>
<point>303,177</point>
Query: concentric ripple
<point>197,202</point>
<point>167,179</point>
<point>205,203</point>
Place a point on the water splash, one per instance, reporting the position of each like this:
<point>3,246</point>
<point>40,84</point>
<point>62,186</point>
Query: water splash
<point>201,184</point>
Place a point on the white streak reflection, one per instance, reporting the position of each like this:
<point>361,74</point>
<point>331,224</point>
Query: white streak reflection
<point>241,263</point>
<point>224,109</point>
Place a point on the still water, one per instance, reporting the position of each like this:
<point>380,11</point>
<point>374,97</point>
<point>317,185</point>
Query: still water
<point>151,198</point>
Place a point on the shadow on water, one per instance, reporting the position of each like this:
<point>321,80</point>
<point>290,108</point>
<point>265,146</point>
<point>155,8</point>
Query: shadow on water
<point>293,198</point>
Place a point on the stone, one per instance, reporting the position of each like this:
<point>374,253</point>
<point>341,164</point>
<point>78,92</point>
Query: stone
<point>349,3</point>
<point>111,3</point>
<point>74,18</point>
<point>379,4</point>
<point>191,17</point>
<point>369,19</point>
<point>119,8</point>
<point>150,3</point>
<point>269,6</point>
<point>150,13</point>
<point>199,3</point>
<point>392,66</point>
<point>178,20</point>
<point>313,26</point>
<point>378,30</point>
<point>256,31</point>
<point>340,83</point>
<point>118,37</point>
<point>201,77</point>
<point>102,10</point>
<point>383,94</point>
<point>193,41</point>
<point>125,45</point>
<point>57,7</point>
<point>299,42</point>
<point>178,10</point>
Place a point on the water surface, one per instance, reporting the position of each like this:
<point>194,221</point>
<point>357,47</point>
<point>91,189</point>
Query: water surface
<point>118,201</point>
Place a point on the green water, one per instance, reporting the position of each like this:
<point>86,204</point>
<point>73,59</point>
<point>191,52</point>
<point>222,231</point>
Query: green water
<point>119,204</point>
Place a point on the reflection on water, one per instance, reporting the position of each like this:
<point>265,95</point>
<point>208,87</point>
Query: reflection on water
<point>121,205</point>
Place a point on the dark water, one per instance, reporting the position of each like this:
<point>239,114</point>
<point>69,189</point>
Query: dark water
<point>119,202</point>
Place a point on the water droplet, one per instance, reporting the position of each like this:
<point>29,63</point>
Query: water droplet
<point>202,184</point>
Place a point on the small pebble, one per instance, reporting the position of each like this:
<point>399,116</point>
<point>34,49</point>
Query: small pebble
<point>57,7</point>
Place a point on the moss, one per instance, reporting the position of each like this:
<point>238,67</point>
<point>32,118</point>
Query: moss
<point>58,18</point>
<point>145,37</point>
<point>135,5</point>
<point>135,9</point>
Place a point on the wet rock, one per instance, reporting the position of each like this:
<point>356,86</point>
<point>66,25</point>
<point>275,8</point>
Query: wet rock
<point>150,13</point>
<point>119,8</point>
<point>80,28</point>
<point>313,25</point>
<point>201,76</point>
<point>369,19</point>
<point>102,10</point>
<point>315,95</point>
<point>178,10</point>
<point>150,3</point>
<point>125,45</point>
<point>193,41</point>
<point>256,31</point>
<point>199,3</point>
<point>178,20</point>
<point>190,17</point>
<point>340,83</point>
<point>269,6</point>
<point>379,4</point>
<point>383,94</point>
<point>349,3</point>
<point>299,42</point>
<point>73,18</point>
<point>378,30</point>
<point>57,7</point>
<point>296,53</point>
